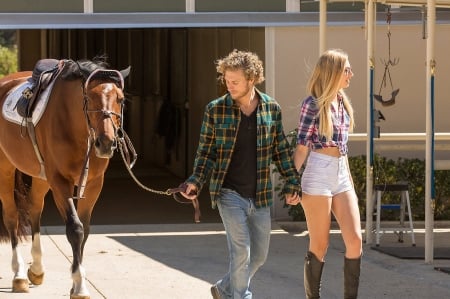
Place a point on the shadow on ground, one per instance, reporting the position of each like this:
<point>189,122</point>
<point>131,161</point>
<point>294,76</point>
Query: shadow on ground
<point>122,201</point>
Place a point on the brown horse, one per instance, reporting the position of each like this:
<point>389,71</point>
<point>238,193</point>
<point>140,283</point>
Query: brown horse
<point>73,141</point>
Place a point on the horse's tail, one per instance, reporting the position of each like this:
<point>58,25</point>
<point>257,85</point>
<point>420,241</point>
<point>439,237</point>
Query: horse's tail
<point>22,203</point>
<point>4,235</point>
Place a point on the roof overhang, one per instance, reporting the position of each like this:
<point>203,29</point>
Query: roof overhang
<point>438,3</point>
<point>183,20</point>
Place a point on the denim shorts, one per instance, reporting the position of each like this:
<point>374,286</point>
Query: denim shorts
<point>326,175</point>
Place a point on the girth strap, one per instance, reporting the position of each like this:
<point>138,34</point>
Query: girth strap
<point>32,134</point>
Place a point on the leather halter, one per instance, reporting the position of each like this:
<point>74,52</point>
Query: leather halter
<point>106,113</point>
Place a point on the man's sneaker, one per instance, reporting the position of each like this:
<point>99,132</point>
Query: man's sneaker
<point>215,292</point>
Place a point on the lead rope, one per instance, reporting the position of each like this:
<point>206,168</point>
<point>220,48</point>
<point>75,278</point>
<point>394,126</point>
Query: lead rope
<point>125,147</point>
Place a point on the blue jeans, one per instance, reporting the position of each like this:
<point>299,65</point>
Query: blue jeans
<point>248,237</point>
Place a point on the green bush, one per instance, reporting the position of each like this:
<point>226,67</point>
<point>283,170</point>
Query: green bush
<point>412,171</point>
<point>388,171</point>
<point>8,60</point>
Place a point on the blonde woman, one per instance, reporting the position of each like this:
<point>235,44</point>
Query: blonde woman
<point>326,117</point>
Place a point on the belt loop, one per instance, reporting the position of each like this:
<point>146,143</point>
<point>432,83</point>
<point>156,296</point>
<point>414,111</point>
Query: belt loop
<point>252,208</point>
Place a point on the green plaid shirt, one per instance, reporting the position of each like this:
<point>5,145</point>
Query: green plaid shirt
<point>217,138</point>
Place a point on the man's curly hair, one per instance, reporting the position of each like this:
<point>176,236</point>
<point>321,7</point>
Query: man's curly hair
<point>239,60</point>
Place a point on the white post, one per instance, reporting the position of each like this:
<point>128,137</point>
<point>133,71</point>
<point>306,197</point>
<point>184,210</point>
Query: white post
<point>370,17</point>
<point>322,26</point>
<point>430,66</point>
<point>190,6</point>
<point>88,6</point>
<point>292,5</point>
<point>270,61</point>
<point>269,69</point>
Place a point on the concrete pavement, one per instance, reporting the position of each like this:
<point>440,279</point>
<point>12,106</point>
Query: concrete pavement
<point>181,261</point>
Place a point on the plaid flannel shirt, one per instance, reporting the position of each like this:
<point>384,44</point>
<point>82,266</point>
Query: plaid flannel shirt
<point>217,138</point>
<point>308,128</point>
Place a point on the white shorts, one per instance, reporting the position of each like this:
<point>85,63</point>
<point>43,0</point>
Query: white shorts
<point>326,175</point>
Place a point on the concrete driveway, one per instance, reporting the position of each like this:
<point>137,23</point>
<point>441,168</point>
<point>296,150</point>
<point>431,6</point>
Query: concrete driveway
<point>181,261</point>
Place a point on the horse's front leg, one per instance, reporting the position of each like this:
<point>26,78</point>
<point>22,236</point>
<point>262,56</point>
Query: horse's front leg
<point>37,270</point>
<point>75,235</point>
<point>84,212</point>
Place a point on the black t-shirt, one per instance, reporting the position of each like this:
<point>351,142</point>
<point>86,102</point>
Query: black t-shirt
<point>241,174</point>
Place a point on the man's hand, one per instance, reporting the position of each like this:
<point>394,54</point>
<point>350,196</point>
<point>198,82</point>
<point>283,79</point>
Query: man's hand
<point>293,199</point>
<point>191,192</point>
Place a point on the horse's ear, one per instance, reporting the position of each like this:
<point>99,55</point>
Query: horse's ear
<point>125,72</point>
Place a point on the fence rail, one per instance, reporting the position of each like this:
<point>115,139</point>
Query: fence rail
<point>409,142</point>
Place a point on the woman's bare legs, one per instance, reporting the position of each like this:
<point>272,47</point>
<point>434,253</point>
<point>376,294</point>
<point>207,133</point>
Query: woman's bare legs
<point>346,211</point>
<point>318,217</point>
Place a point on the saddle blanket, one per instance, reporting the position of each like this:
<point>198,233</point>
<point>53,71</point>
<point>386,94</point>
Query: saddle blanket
<point>9,109</point>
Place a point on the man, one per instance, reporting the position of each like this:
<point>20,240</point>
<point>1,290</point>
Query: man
<point>241,136</point>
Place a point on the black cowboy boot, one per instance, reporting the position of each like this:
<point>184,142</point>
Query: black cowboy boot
<point>312,275</point>
<point>352,268</point>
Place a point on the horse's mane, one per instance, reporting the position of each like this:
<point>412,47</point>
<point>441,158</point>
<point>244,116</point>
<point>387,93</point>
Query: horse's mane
<point>82,68</point>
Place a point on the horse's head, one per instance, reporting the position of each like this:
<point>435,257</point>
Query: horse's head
<point>104,102</point>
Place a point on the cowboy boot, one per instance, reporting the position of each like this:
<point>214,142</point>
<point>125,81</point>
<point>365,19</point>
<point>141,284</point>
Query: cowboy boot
<point>352,268</point>
<point>312,275</point>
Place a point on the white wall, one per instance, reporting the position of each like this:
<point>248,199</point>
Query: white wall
<point>296,51</point>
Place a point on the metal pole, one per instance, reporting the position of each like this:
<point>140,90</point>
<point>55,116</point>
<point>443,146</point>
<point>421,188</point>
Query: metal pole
<point>430,67</point>
<point>370,11</point>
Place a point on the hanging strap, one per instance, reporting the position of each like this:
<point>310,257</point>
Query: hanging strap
<point>387,64</point>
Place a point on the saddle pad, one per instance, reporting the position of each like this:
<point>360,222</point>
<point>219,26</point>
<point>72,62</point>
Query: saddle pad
<point>9,109</point>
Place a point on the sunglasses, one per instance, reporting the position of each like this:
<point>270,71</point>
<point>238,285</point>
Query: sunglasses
<point>347,71</point>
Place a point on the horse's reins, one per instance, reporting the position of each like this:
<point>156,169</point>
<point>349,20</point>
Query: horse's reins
<point>125,144</point>
<point>125,147</point>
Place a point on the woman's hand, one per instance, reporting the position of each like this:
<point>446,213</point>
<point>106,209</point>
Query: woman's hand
<point>293,199</point>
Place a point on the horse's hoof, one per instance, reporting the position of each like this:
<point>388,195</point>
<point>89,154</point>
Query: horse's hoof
<point>72,296</point>
<point>35,279</point>
<point>20,285</point>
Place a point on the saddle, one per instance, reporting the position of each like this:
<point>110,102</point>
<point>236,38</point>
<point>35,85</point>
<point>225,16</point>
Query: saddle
<point>44,73</point>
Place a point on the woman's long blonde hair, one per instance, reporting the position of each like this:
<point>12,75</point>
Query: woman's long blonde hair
<point>324,86</point>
